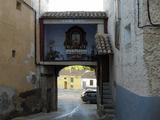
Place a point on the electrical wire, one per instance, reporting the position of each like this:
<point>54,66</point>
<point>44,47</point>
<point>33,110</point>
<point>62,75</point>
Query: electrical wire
<point>149,17</point>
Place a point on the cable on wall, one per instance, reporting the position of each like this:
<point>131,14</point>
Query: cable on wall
<point>149,16</point>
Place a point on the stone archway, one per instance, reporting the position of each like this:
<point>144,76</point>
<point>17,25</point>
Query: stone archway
<point>49,87</point>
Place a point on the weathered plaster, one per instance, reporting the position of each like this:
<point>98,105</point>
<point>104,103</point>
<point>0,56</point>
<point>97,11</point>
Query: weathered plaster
<point>16,33</point>
<point>152,58</point>
<point>128,62</point>
<point>135,67</point>
<point>154,12</point>
<point>6,100</point>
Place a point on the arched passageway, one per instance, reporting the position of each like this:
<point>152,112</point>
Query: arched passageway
<point>72,82</point>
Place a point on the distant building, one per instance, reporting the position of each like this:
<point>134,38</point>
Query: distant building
<point>89,83</point>
<point>69,82</point>
<point>88,80</point>
<point>76,79</point>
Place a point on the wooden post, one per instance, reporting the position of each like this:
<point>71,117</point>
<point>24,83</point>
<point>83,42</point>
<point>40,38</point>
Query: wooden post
<point>49,88</point>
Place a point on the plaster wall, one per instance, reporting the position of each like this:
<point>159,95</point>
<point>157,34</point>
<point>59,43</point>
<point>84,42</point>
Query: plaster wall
<point>152,58</point>
<point>151,47</point>
<point>128,62</point>
<point>40,6</point>
<point>16,34</point>
<point>87,82</point>
<point>75,84</point>
<point>135,66</point>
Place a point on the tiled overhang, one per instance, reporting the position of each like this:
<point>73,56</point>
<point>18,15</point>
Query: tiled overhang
<point>103,45</point>
<point>74,15</point>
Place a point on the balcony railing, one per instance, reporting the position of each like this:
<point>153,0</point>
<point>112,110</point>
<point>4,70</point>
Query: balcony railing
<point>71,55</point>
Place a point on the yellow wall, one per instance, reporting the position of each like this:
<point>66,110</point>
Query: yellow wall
<point>16,33</point>
<point>76,82</point>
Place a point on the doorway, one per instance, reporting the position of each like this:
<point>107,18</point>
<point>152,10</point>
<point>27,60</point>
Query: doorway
<point>65,84</point>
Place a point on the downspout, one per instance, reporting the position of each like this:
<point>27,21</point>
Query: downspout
<point>35,32</point>
<point>41,39</point>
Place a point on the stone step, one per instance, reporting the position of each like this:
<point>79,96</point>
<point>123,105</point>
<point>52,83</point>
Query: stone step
<point>107,96</point>
<point>107,101</point>
<point>111,117</point>
<point>108,106</point>
<point>106,88</point>
<point>106,84</point>
<point>107,91</point>
<point>107,116</point>
<point>110,111</point>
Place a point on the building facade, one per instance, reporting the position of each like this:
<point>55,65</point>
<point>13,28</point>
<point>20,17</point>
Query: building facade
<point>17,49</point>
<point>135,33</point>
<point>88,83</point>
<point>69,82</point>
<point>73,38</point>
<point>79,81</point>
<point>18,37</point>
<point>17,44</point>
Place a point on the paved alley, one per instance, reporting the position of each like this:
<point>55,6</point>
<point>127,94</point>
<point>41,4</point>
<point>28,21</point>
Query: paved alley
<point>70,107</point>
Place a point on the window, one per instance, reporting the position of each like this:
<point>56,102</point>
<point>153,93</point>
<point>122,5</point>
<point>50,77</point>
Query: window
<point>13,53</point>
<point>72,80</point>
<point>91,82</point>
<point>71,86</point>
<point>18,5</point>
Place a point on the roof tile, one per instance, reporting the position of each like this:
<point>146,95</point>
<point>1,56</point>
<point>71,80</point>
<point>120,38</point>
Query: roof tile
<point>103,45</point>
<point>74,14</point>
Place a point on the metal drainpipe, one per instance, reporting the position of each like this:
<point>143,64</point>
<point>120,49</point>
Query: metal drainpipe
<point>35,31</point>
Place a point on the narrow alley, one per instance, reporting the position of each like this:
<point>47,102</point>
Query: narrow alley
<point>59,56</point>
<point>70,107</point>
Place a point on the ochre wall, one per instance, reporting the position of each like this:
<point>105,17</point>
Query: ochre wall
<point>76,82</point>
<point>16,33</point>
